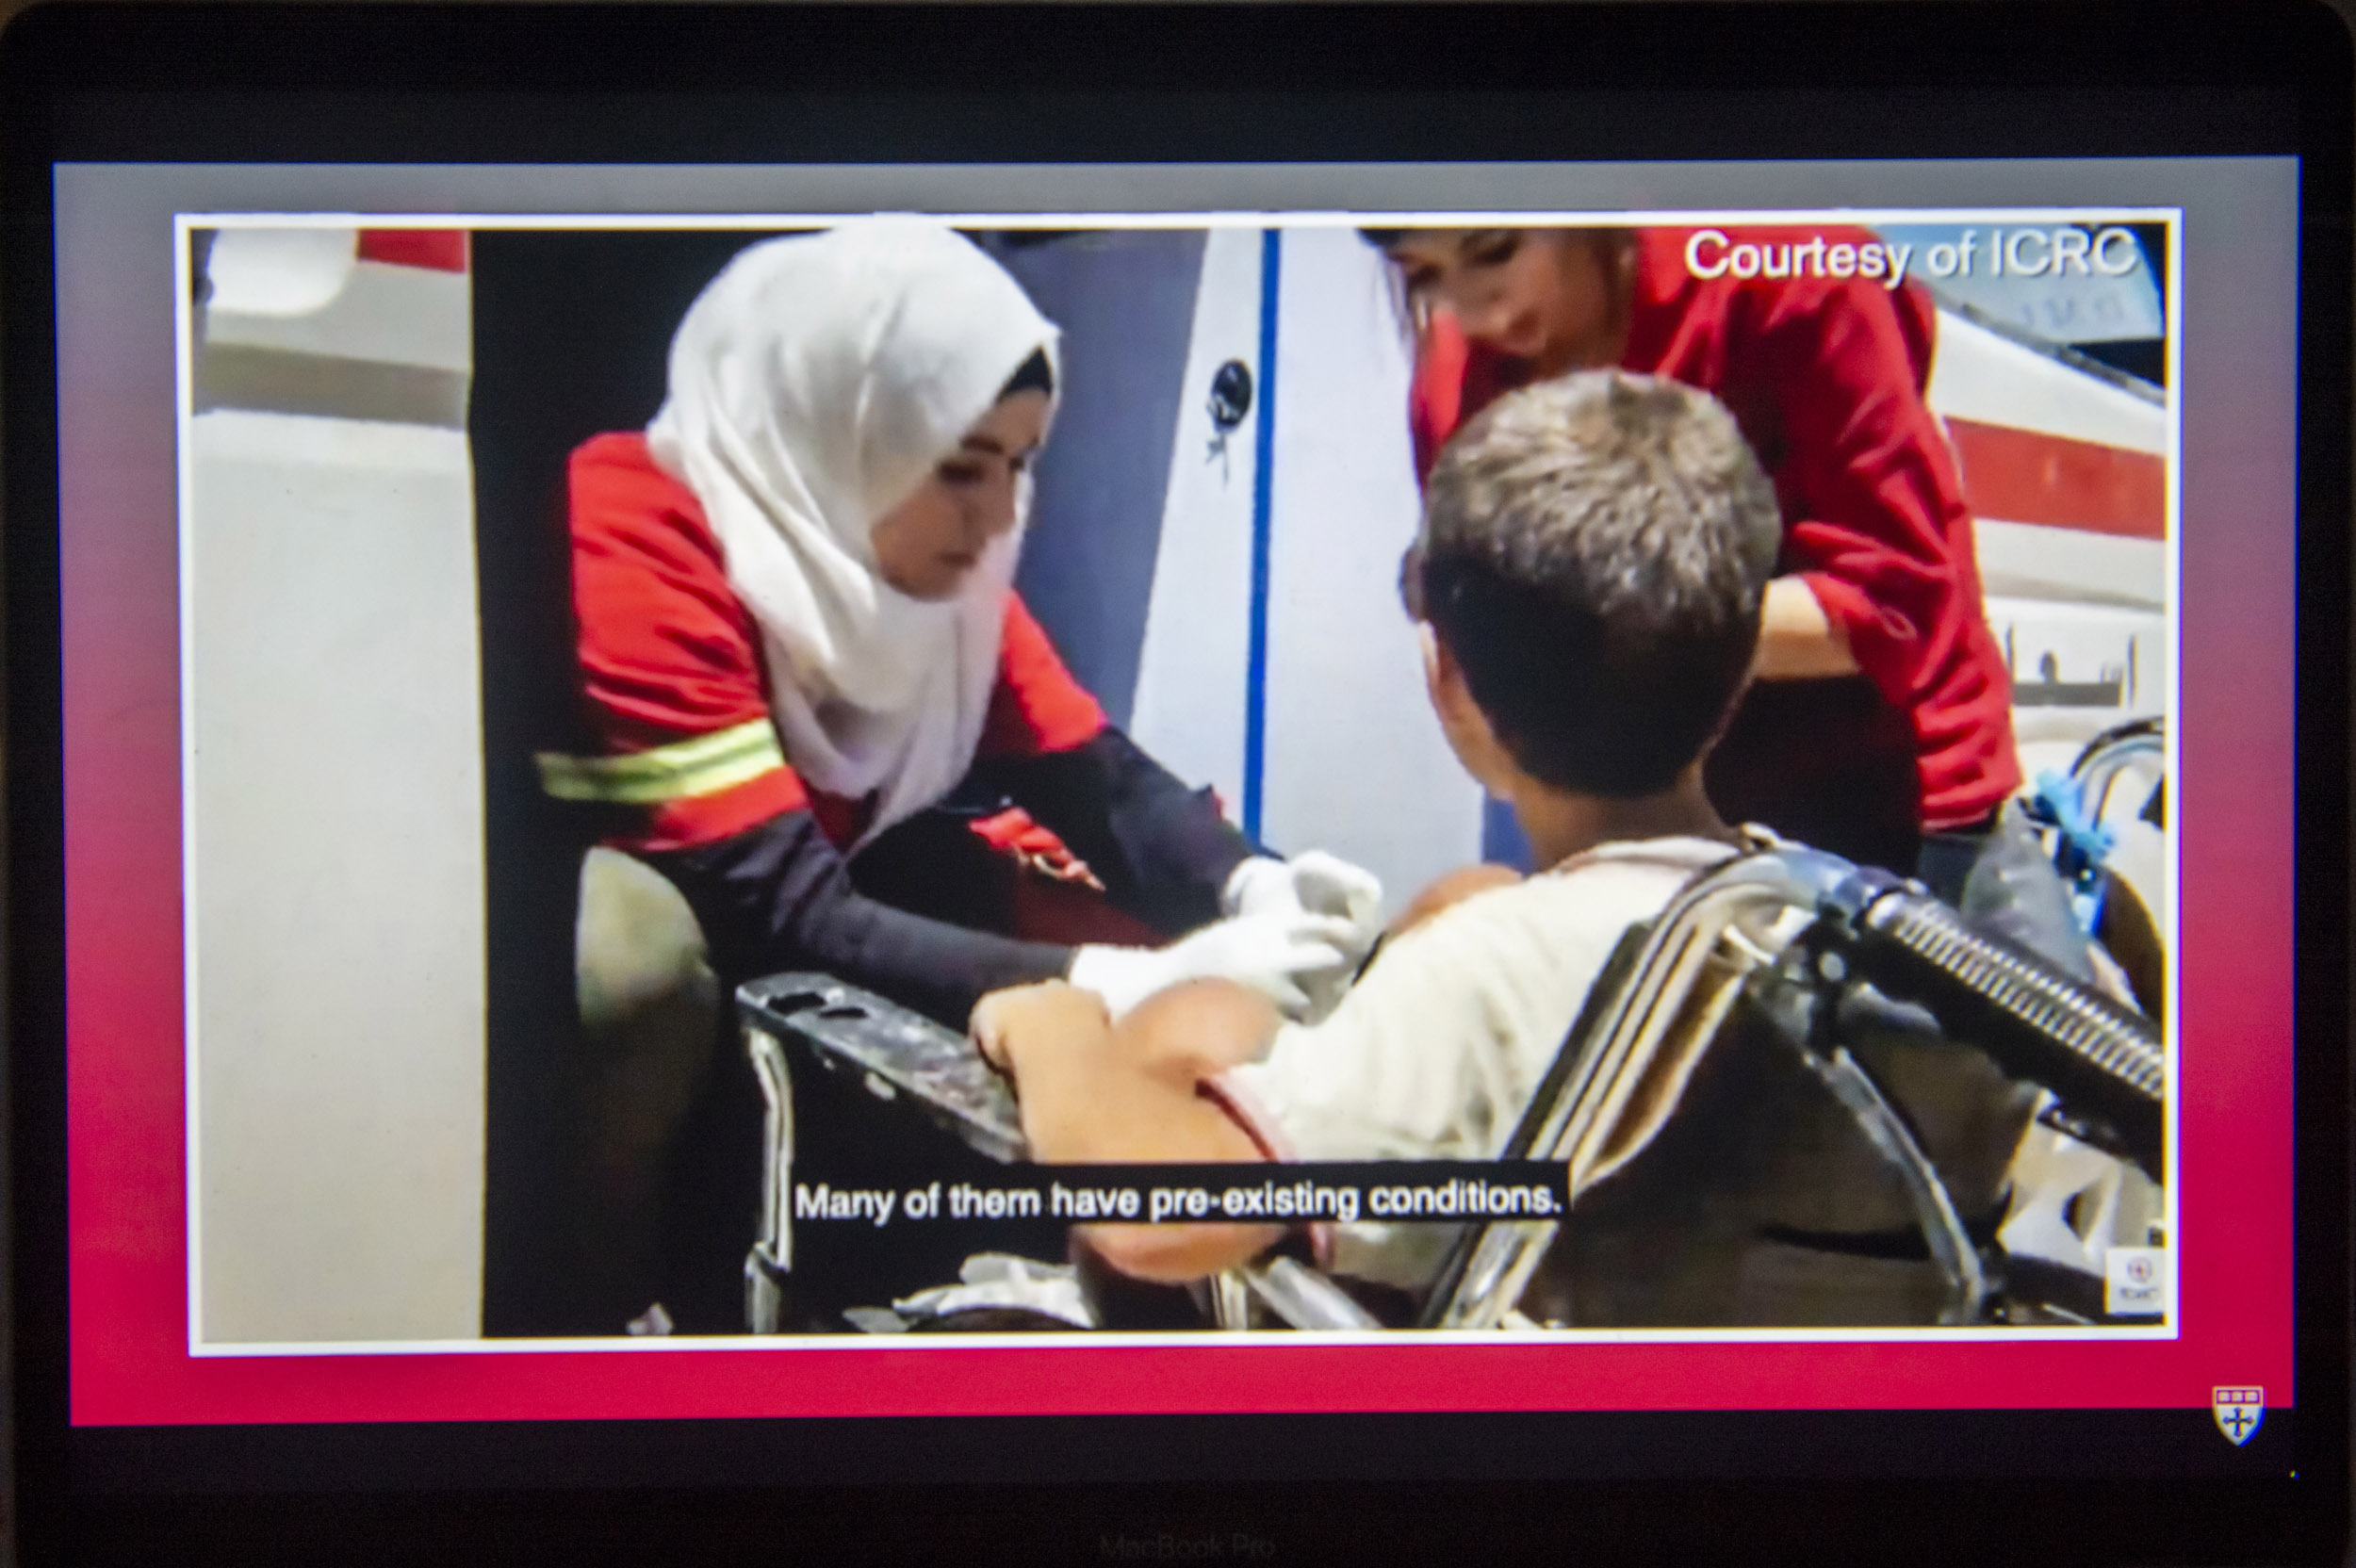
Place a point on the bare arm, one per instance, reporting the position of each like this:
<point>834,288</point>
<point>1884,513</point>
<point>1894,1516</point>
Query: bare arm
<point>1091,1093</point>
<point>1797,640</point>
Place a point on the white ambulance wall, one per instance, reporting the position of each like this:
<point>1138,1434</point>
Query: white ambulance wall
<point>1124,301</point>
<point>2073,611</point>
<point>1355,761</point>
<point>1194,672</point>
<point>1978,374</point>
<point>2117,652</point>
<point>338,880</point>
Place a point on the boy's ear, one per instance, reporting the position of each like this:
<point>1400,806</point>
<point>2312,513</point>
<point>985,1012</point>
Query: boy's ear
<point>1444,677</point>
<point>1460,719</point>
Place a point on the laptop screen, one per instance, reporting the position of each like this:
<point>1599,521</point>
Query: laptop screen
<point>1650,802</point>
<point>1971,422</point>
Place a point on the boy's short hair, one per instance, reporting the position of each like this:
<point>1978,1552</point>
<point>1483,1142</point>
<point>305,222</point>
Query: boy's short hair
<point>1594,552</point>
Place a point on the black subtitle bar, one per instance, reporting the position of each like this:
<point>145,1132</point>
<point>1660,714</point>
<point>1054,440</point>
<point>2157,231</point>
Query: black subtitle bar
<point>1384,1192</point>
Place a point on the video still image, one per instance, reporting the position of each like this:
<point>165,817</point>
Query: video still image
<point>1361,774</point>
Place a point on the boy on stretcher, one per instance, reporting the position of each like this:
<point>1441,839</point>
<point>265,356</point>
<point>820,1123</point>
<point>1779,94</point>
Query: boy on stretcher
<point>1587,586</point>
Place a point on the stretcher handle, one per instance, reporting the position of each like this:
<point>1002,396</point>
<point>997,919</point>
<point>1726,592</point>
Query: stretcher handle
<point>2104,1060</point>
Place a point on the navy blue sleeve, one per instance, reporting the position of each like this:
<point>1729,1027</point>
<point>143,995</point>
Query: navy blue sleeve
<point>780,896</point>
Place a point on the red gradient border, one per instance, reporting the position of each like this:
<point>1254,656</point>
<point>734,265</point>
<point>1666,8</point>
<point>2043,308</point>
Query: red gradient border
<point>129,1360</point>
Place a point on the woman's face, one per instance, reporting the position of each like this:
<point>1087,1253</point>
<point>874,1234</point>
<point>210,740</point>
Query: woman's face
<point>1553,298</point>
<point>927,545</point>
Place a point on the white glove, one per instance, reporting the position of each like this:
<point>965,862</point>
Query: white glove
<point>1314,882</point>
<point>1273,954</point>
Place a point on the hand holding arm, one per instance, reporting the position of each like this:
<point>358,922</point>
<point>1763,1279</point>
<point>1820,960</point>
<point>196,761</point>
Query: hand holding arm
<point>1276,954</point>
<point>1094,1093</point>
<point>1311,883</point>
<point>1318,883</point>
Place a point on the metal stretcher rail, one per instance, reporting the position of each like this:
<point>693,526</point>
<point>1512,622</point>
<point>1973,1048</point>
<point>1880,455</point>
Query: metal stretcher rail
<point>1792,929</point>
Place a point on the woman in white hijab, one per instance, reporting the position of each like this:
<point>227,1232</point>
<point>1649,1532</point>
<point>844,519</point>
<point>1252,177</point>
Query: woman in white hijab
<point>813,702</point>
<point>798,635</point>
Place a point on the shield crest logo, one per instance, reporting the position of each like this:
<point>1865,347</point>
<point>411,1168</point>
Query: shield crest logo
<point>2238,1410</point>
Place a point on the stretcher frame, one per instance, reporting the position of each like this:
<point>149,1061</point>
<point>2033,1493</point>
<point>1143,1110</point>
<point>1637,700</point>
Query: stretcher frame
<point>1773,930</point>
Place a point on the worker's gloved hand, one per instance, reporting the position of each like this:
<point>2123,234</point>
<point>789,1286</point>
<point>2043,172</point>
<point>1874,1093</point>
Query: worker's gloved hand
<point>1277,955</point>
<point>1314,882</point>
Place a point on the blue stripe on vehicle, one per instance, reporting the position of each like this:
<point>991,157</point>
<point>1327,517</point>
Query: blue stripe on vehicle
<point>1263,486</point>
<point>1501,838</point>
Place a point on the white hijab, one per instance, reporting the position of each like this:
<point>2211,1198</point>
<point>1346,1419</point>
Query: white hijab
<point>813,385</point>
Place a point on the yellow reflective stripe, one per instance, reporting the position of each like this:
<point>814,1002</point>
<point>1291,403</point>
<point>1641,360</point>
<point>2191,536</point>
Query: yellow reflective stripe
<point>703,766</point>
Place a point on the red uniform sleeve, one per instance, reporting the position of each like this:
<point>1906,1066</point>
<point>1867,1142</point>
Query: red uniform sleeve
<point>1875,520</point>
<point>1037,707</point>
<point>1870,467</point>
<point>670,664</point>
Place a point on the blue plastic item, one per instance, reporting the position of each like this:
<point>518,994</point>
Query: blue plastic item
<point>2081,845</point>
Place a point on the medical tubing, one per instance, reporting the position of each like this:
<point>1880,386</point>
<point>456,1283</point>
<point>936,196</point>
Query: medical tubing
<point>2104,1060</point>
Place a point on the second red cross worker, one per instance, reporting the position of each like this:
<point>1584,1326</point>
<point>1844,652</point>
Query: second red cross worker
<point>1879,723</point>
<point>798,633</point>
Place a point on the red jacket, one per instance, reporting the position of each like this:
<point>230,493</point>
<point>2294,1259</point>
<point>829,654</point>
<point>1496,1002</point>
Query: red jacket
<point>1826,377</point>
<point>672,673</point>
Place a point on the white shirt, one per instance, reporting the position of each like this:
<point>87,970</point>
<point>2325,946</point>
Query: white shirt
<point>1437,1052</point>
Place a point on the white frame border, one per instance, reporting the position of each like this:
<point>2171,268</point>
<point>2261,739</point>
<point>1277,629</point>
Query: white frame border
<point>185,222</point>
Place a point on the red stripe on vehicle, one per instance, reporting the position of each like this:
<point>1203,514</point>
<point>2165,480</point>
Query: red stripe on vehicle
<point>441,249</point>
<point>2022,476</point>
